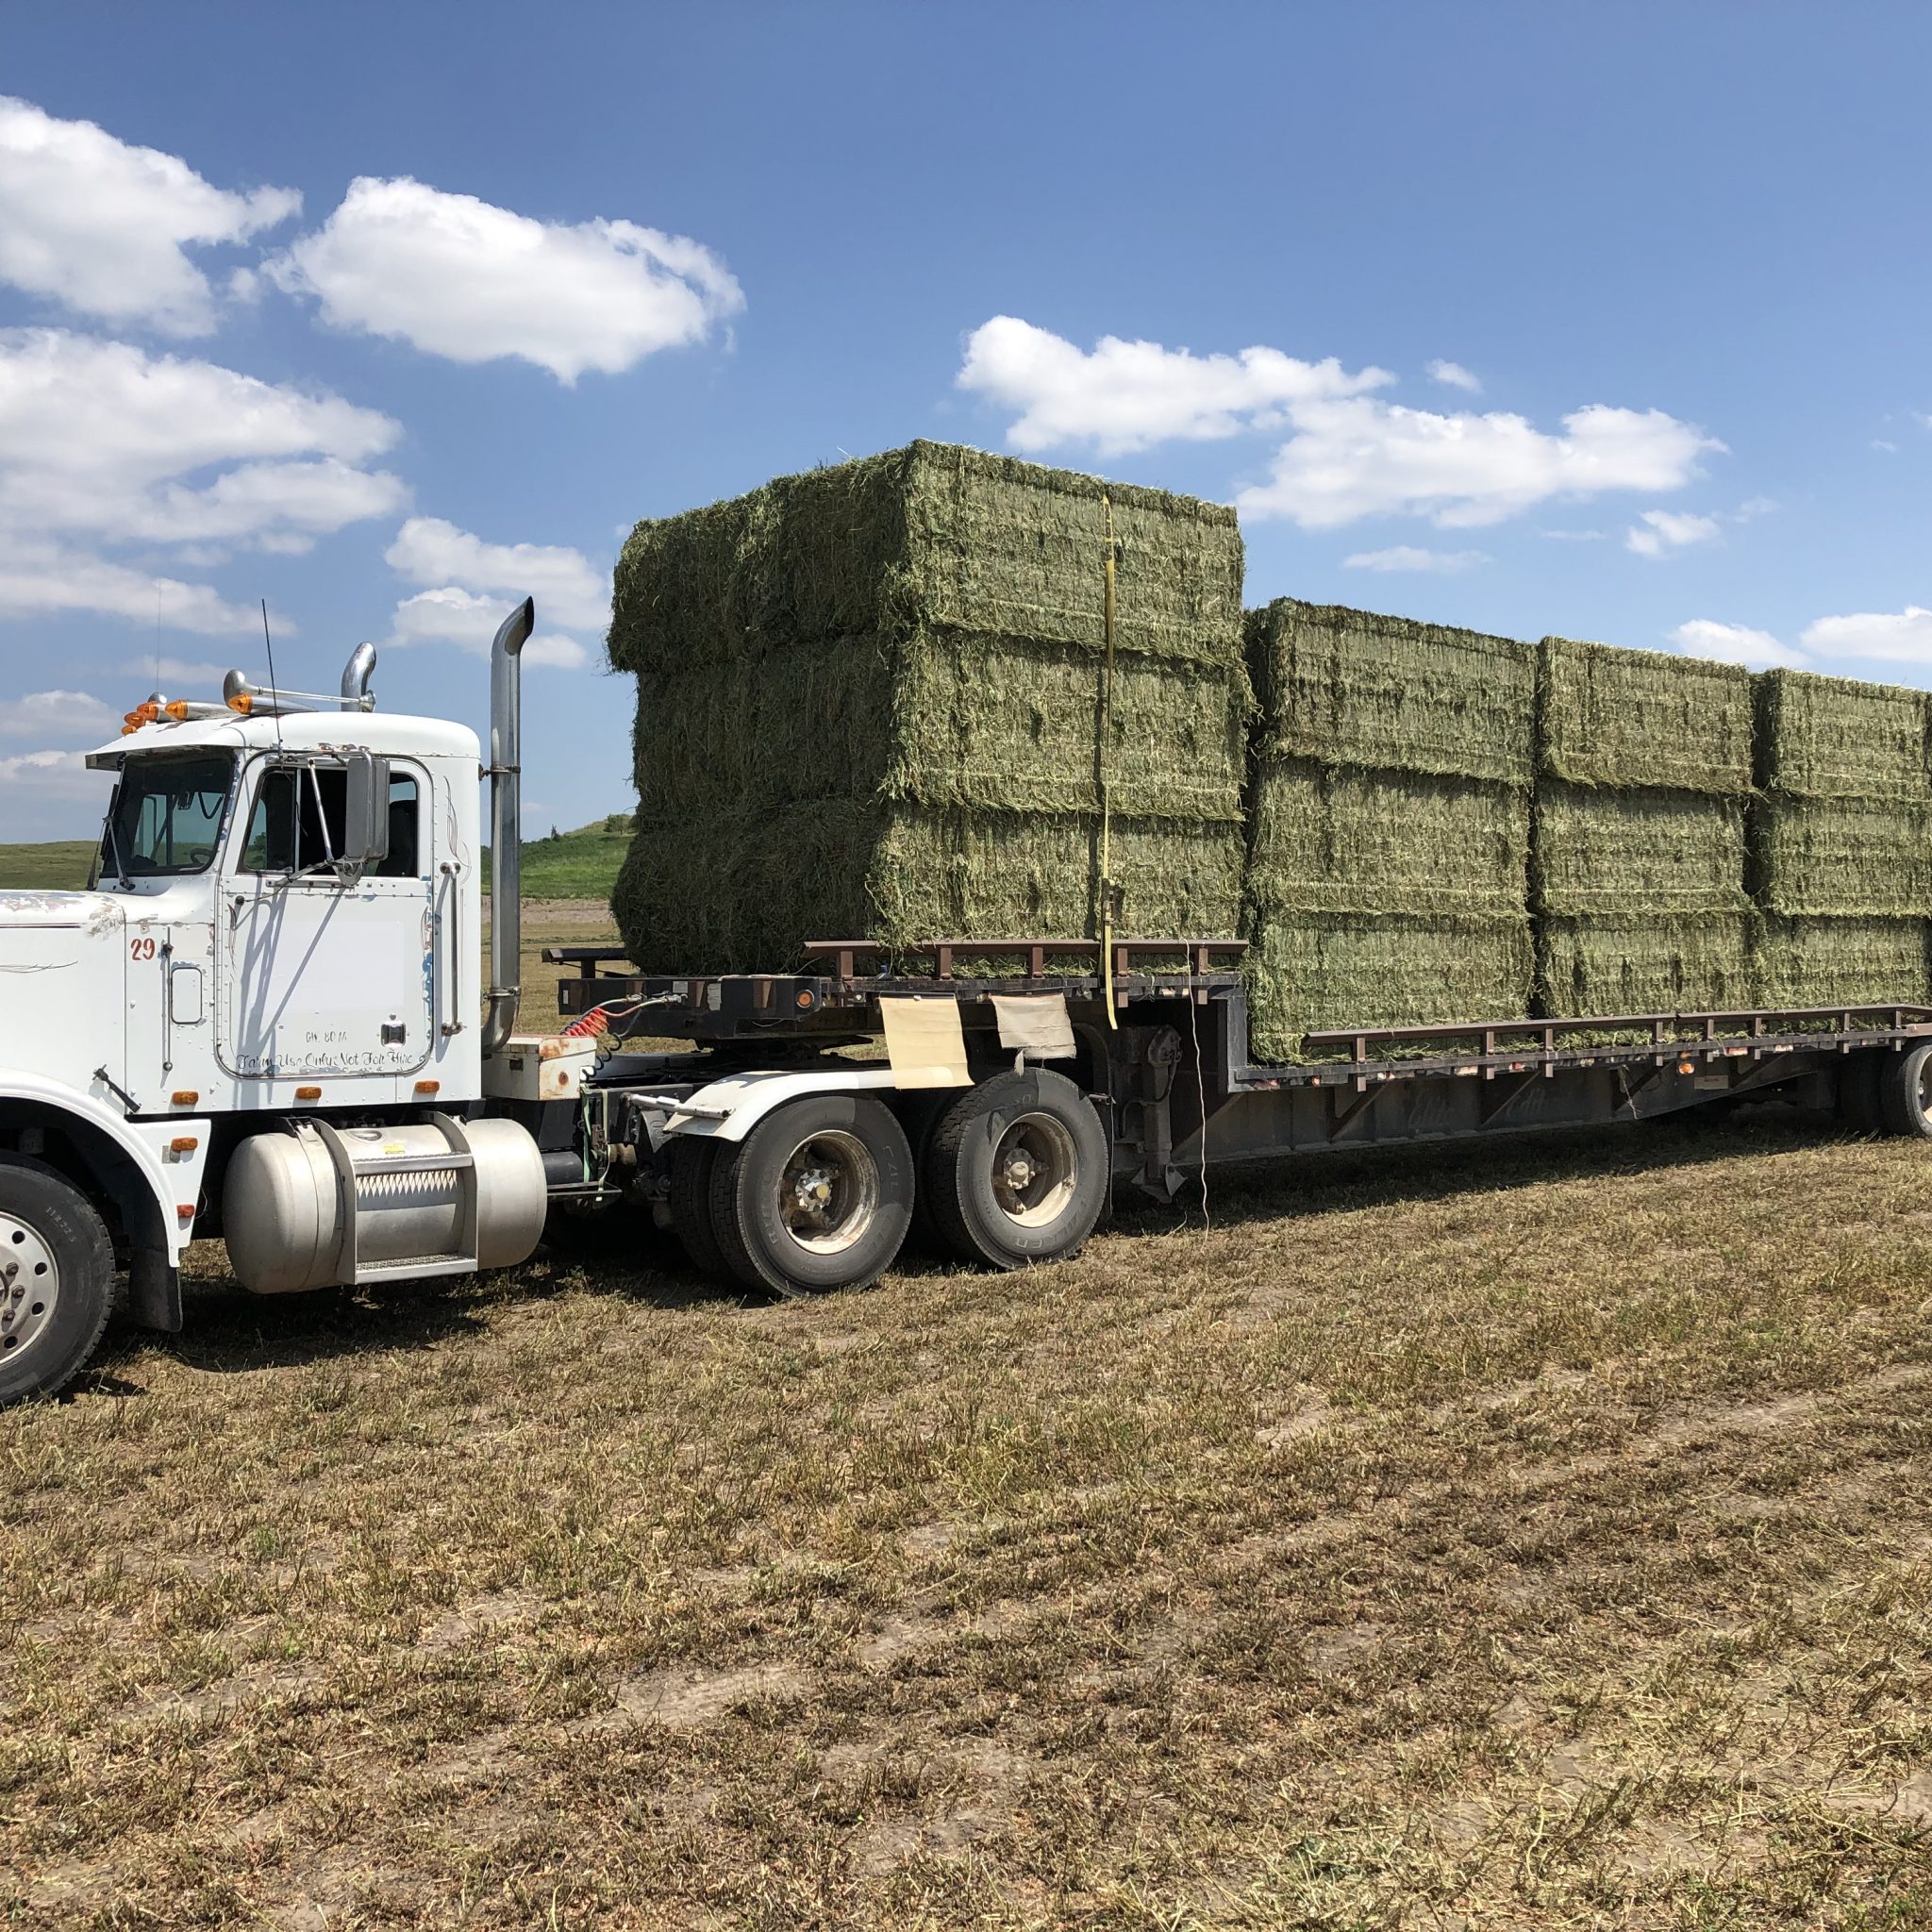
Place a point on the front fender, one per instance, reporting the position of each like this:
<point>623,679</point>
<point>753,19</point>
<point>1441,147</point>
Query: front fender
<point>142,1170</point>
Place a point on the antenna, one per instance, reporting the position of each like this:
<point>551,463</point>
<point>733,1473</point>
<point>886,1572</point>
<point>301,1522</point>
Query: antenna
<point>274,684</point>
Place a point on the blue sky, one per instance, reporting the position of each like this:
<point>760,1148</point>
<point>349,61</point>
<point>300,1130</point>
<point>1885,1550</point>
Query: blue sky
<point>1609,320</point>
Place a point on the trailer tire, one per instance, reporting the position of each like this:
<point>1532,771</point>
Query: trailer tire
<point>819,1197</point>
<point>1017,1171</point>
<point>692,1163</point>
<point>1902,1095</point>
<point>57,1301</point>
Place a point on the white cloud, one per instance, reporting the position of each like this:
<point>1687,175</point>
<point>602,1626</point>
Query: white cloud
<point>458,278</point>
<point>104,439</point>
<point>569,589</point>
<point>1574,536</point>
<point>1123,396</point>
<point>174,675</point>
<point>1900,637</point>
<point>1360,457</point>
<point>452,616</point>
<point>1735,644</point>
<point>1890,449</point>
<point>1406,556</point>
<point>101,226</point>
<point>45,714</point>
<point>40,578</point>
<point>1455,374</point>
<point>1660,530</point>
<point>36,779</point>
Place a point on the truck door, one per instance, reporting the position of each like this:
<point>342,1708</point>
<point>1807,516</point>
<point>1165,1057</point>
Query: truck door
<point>321,972</point>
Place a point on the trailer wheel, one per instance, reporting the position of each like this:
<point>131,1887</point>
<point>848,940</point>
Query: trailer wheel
<point>1905,1091</point>
<point>1017,1171</point>
<point>819,1196</point>
<point>693,1161</point>
<point>56,1279</point>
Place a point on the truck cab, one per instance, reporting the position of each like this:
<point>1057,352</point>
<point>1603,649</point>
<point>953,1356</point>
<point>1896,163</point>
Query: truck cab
<point>263,1019</point>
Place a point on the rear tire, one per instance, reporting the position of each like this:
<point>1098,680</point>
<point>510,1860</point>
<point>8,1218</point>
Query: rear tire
<point>1017,1171</point>
<point>56,1279</point>
<point>1905,1101</point>
<point>693,1161</point>
<point>819,1197</point>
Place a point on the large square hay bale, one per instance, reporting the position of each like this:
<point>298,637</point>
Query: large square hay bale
<point>1339,839</point>
<point>932,535</point>
<point>1836,738</point>
<point>1841,855</point>
<point>1643,719</point>
<point>1694,964</point>
<point>1316,972</point>
<point>874,698</point>
<point>1853,962</point>
<point>1617,854</point>
<point>1353,688</point>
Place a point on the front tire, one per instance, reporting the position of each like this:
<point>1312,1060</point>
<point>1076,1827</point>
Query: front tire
<point>819,1197</point>
<point>1017,1171</point>
<point>56,1279</point>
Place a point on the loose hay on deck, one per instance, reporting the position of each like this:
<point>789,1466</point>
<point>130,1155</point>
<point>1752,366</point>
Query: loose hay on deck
<point>1642,719</point>
<point>871,698</point>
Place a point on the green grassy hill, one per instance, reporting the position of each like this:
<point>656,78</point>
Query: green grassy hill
<point>59,867</point>
<point>573,865</point>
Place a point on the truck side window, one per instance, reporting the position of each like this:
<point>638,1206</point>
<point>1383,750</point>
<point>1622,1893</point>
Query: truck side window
<point>403,819</point>
<point>284,830</point>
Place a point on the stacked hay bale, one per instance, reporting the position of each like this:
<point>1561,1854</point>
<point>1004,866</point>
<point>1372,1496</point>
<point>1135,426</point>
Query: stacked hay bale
<point>1637,867</point>
<point>1840,842</point>
<point>870,707</point>
<point>1389,823</point>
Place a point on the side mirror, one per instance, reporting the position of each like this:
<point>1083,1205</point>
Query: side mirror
<point>365,814</point>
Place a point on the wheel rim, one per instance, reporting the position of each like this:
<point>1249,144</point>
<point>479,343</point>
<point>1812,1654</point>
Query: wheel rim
<point>1035,1170</point>
<point>828,1192</point>
<point>29,1284</point>
<point>1926,1085</point>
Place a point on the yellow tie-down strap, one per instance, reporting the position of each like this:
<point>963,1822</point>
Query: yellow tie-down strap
<point>925,1042</point>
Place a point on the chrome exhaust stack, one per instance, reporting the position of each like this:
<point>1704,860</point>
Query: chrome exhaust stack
<point>356,675</point>
<point>506,823</point>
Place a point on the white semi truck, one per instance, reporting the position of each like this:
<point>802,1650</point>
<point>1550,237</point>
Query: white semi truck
<point>264,1021</point>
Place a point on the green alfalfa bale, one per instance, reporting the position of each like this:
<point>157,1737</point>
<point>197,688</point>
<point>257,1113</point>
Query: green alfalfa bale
<point>1642,719</point>
<point>1337,838</point>
<point>1603,966</point>
<point>745,893</point>
<point>1620,854</point>
<point>1354,688</point>
<point>1318,972</point>
<point>931,535</point>
<point>943,718</point>
<point>1838,738</point>
<point>1854,962</point>
<point>1855,856</point>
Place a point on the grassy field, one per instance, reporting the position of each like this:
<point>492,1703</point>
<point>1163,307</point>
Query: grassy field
<point>60,867</point>
<point>1528,1537</point>
<point>573,865</point>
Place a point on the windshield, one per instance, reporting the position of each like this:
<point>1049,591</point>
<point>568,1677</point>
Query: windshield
<point>167,816</point>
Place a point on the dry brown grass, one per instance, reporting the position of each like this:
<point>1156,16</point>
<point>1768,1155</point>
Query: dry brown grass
<point>1528,1537</point>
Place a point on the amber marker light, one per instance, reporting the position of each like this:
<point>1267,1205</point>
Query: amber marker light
<point>187,1097</point>
<point>804,997</point>
<point>183,1143</point>
<point>309,1093</point>
<point>428,1085</point>
<point>242,702</point>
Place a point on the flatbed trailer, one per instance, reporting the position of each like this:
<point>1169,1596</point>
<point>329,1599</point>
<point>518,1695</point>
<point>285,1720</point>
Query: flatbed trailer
<point>1148,1038</point>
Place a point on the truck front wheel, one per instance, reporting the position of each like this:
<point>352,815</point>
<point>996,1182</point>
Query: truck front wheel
<point>1017,1171</point>
<point>56,1279</point>
<point>818,1196</point>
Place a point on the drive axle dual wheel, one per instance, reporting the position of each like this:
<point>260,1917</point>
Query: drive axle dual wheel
<point>1882,1091</point>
